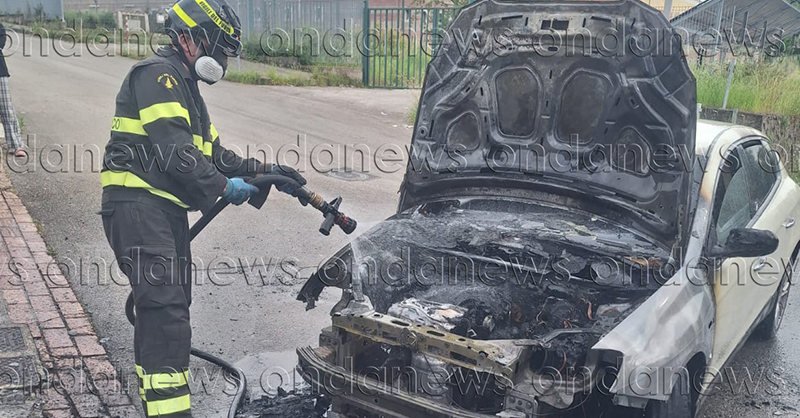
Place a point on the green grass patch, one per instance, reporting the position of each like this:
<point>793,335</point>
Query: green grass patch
<point>412,114</point>
<point>272,78</point>
<point>768,87</point>
<point>91,19</point>
<point>245,77</point>
<point>305,48</point>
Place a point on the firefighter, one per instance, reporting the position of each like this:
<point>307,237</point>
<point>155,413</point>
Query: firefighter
<point>164,158</point>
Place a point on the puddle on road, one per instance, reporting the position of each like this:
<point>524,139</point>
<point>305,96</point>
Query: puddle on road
<point>276,390</point>
<point>268,371</point>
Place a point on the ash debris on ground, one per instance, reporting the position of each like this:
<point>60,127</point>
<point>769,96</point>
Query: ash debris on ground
<point>300,403</point>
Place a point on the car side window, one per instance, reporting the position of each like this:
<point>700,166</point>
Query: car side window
<point>762,172</point>
<point>731,199</point>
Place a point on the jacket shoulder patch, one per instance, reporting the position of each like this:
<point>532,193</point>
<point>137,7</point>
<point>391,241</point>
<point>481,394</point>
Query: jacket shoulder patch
<point>167,80</point>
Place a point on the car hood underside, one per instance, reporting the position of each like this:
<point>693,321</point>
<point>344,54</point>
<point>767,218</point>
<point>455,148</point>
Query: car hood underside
<point>593,96</point>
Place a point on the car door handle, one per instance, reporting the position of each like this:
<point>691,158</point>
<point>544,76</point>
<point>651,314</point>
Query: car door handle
<point>762,261</point>
<point>789,223</point>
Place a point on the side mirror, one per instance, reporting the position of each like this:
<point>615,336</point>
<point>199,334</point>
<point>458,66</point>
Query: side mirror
<point>747,242</point>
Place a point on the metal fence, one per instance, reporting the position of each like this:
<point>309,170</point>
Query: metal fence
<point>734,23</point>
<point>711,17</point>
<point>32,9</point>
<point>260,16</point>
<point>395,44</point>
<point>401,43</point>
<point>675,11</point>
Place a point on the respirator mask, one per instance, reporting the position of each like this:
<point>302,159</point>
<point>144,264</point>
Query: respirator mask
<point>211,69</point>
<point>212,65</point>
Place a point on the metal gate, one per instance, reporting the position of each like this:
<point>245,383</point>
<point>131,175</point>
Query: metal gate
<point>399,42</point>
<point>396,43</point>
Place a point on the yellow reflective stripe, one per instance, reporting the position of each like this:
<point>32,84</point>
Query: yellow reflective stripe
<point>140,373</point>
<point>163,110</point>
<point>214,17</point>
<point>168,406</point>
<point>127,125</point>
<point>185,17</point>
<point>128,179</point>
<point>214,133</point>
<point>204,147</point>
<point>165,380</point>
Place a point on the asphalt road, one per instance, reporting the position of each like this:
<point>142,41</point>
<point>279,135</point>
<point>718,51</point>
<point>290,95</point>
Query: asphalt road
<point>245,316</point>
<point>69,102</point>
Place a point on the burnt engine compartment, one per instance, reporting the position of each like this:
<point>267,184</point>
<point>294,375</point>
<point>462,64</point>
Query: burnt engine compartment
<point>511,276</point>
<point>544,280</point>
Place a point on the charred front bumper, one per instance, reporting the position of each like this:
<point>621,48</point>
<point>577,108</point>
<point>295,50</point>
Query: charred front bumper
<point>369,395</point>
<point>372,363</point>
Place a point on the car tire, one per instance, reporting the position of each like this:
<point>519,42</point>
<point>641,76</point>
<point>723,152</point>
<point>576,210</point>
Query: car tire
<point>679,405</point>
<point>768,328</point>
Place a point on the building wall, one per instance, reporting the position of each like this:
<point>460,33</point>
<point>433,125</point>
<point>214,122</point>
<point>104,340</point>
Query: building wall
<point>675,3</point>
<point>115,5</point>
<point>678,6</point>
<point>49,8</point>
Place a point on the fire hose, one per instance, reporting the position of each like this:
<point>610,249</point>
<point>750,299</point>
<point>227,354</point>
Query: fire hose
<point>332,216</point>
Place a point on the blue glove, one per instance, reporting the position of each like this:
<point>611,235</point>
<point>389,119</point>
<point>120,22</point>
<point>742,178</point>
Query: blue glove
<point>238,191</point>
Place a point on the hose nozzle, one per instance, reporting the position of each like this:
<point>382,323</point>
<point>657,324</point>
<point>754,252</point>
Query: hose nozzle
<point>330,211</point>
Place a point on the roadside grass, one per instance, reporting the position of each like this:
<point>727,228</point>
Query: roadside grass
<point>292,54</point>
<point>768,87</point>
<point>412,114</point>
<point>91,19</point>
<point>135,54</point>
<point>320,78</point>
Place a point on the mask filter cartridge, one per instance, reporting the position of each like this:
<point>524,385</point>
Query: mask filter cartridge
<point>208,69</point>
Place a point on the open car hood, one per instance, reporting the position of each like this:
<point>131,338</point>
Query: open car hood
<point>591,97</point>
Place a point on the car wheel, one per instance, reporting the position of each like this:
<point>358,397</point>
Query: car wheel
<point>679,405</point>
<point>768,328</point>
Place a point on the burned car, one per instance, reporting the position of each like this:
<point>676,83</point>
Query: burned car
<point>570,241</point>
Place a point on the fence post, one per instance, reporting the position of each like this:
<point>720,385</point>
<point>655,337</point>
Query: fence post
<point>336,19</point>
<point>744,25</point>
<point>728,88</point>
<point>274,17</point>
<point>365,30</point>
<point>763,42</point>
<point>718,41</point>
<point>265,19</point>
<point>795,45</point>
<point>250,18</point>
<point>435,28</point>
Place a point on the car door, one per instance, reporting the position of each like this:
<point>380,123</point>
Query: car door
<point>742,286</point>
<point>773,206</point>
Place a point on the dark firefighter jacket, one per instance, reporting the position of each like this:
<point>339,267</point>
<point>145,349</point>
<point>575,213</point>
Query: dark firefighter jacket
<point>163,142</point>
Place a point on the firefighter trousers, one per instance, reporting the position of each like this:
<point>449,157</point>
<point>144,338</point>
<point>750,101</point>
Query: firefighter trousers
<point>152,249</point>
